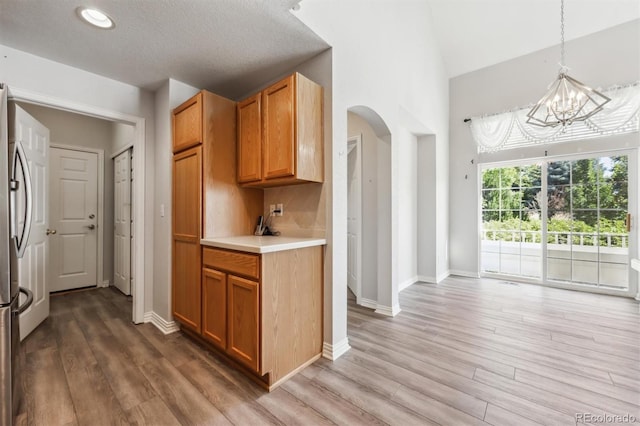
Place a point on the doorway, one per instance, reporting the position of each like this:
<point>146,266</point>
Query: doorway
<point>137,142</point>
<point>562,222</point>
<point>354,216</point>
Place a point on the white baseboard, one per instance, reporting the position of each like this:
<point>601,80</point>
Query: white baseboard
<point>433,280</point>
<point>367,303</point>
<point>442,276</point>
<point>334,352</point>
<point>408,283</point>
<point>105,283</point>
<point>166,327</point>
<point>389,311</point>
<point>467,274</point>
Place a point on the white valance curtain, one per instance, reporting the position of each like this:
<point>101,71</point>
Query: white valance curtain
<point>511,130</point>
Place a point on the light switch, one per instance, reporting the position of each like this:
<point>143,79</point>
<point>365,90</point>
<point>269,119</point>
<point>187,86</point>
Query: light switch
<point>161,210</point>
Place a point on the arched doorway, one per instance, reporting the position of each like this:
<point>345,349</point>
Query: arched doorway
<point>369,262</point>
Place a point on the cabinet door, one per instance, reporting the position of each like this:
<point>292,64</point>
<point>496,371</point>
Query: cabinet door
<point>242,320</point>
<point>250,140</point>
<point>187,124</point>
<point>214,307</point>
<point>278,116</point>
<point>186,279</point>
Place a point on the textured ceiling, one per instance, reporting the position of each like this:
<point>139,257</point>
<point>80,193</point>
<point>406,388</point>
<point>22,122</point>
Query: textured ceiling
<point>229,46</point>
<point>474,34</point>
<point>233,46</point>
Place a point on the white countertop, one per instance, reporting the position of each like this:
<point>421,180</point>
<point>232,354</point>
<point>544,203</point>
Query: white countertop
<point>265,244</point>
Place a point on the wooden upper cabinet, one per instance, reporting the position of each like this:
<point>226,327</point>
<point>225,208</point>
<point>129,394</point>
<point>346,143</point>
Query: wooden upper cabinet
<point>279,129</point>
<point>292,148</point>
<point>187,124</point>
<point>250,140</point>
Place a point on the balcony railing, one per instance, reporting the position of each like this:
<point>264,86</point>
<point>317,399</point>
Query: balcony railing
<point>589,239</point>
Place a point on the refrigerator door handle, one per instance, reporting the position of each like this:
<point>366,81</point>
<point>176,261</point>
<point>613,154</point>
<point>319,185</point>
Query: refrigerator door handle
<point>19,156</point>
<point>27,302</point>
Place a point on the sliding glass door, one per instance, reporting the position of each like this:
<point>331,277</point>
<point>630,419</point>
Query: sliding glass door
<point>587,207</point>
<point>511,221</point>
<point>561,221</point>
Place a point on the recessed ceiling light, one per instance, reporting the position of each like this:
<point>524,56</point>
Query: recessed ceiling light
<point>95,17</point>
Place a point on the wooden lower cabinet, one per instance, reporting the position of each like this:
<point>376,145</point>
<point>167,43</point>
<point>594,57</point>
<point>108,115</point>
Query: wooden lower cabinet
<point>242,321</point>
<point>186,288</point>
<point>214,307</point>
<point>271,323</point>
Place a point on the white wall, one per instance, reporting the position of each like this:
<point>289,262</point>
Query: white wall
<point>600,60</point>
<point>386,58</point>
<point>67,128</point>
<point>427,226</point>
<point>122,136</point>
<point>408,209</point>
<point>57,81</point>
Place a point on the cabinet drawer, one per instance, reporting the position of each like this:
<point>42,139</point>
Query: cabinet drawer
<point>244,264</point>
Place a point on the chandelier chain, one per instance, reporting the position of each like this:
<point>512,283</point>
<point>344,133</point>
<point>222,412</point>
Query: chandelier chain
<point>562,63</point>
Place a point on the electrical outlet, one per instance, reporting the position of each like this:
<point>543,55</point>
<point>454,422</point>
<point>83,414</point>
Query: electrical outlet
<point>272,207</point>
<point>280,207</point>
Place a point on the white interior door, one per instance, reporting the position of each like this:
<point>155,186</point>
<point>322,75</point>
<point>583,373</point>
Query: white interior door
<point>354,217</point>
<point>32,267</point>
<point>74,211</point>
<point>122,222</point>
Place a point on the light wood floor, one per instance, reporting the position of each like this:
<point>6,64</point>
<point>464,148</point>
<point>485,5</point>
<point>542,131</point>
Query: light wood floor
<point>463,352</point>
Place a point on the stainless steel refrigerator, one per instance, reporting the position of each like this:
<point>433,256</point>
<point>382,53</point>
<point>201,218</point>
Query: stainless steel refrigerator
<point>14,178</point>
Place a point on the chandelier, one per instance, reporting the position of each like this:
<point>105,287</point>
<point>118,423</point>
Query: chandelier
<point>567,100</point>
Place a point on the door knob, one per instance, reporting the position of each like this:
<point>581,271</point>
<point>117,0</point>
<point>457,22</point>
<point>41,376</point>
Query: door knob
<point>51,231</point>
<point>91,216</point>
<point>92,226</point>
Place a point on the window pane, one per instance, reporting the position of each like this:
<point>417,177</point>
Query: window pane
<point>558,200</point>
<point>491,178</point>
<point>584,171</point>
<point>510,199</point>
<point>489,215</point>
<point>491,199</point>
<point>559,173</point>
<point>584,196</point>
